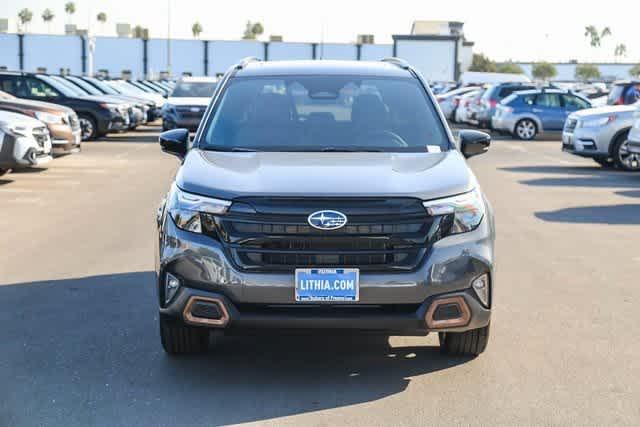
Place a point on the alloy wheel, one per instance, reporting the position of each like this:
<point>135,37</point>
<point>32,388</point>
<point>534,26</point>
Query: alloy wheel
<point>630,161</point>
<point>526,129</point>
<point>86,128</point>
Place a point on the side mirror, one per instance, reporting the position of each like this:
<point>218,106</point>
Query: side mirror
<point>175,141</point>
<point>474,142</point>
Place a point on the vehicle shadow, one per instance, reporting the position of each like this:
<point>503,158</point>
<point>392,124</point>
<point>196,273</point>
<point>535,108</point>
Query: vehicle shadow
<point>612,215</point>
<point>86,351</point>
<point>131,138</point>
<point>578,176</point>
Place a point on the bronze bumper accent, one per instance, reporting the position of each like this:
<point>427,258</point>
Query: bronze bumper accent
<point>204,321</point>
<point>462,319</point>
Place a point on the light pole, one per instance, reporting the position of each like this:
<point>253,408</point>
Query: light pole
<point>169,37</point>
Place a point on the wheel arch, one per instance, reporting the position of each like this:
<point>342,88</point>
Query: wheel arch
<point>531,117</point>
<point>615,137</point>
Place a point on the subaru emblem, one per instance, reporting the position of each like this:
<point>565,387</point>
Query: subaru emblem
<point>327,220</point>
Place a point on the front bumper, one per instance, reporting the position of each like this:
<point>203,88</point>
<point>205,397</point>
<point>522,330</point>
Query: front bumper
<point>395,302</point>
<point>588,142</point>
<point>64,139</point>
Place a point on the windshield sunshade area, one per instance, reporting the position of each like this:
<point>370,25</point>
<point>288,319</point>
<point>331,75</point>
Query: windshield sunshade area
<point>325,113</point>
<point>194,89</point>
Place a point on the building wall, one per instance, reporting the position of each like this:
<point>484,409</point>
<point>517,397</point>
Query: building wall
<point>9,48</point>
<point>186,56</point>
<point>223,54</point>
<point>336,51</point>
<point>53,53</point>
<point>375,52</point>
<point>117,54</point>
<point>435,59</point>
<point>282,51</point>
<point>567,71</point>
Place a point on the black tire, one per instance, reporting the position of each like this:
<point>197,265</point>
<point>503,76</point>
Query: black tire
<point>178,338</point>
<point>470,343</point>
<point>621,156</point>
<point>525,130</point>
<point>88,127</point>
<point>605,162</point>
<point>4,171</point>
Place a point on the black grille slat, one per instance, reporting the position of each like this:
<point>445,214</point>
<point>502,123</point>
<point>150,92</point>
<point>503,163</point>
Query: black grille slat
<point>276,235</point>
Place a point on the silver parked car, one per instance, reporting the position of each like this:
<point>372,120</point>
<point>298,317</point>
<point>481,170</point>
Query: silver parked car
<point>602,133</point>
<point>634,136</point>
<point>449,101</point>
<point>24,142</point>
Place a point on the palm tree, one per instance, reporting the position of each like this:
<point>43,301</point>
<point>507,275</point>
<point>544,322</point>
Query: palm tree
<point>620,50</point>
<point>47,17</point>
<point>102,19</point>
<point>196,29</point>
<point>252,30</point>
<point>25,16</point>
<point>595,37</point>
<point>70,9</point>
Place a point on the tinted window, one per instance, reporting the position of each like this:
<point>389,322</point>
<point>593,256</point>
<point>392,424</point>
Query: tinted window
<point>39,89</point>
<point>194,89</point>
<point>101,85</point>
<point>48,81</point>
<point>84,85</point>
<point>508,90</point>
<point>573,102</point>
<point>616,93</point>
<point>548,100</point>
<point>325,113</point>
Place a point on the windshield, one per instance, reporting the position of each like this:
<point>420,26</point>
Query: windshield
<point>194,89</point>
<point>102,86</point>
<point>84,85</point>
<point>325,113</point>
<point>64,89</point>
<point>127,89</point>
<point>76,90</point>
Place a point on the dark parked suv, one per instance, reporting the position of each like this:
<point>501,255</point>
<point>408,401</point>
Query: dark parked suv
<point>96,114</point>
<point>323,195</point>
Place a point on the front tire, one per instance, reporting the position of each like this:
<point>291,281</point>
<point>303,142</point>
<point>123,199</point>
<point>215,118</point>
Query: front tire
<point>469,343</point>
<point>178,338</point>
<point>4,171</point>
<point>88,127</point>
<point>622,158</point>
<point>526,130</point>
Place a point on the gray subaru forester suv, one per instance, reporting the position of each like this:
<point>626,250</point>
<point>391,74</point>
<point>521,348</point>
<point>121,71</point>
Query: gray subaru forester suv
<point>324,196</point>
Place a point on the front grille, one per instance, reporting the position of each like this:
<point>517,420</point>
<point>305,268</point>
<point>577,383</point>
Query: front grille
<point>191,111</point>
<point>273,234</point>
<point>41,136</point>
<point>570,125</point>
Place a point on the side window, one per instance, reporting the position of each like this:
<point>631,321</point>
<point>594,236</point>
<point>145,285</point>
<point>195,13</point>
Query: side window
<point>574,103</point>
<point>528,99</point>
<point>13,85</point>
<point>551,100</point>
<point>39,89</point>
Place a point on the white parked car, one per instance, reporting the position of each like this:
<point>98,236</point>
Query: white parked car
<point>24,142</point>
<point>465,106</point>
<point>449,101</point>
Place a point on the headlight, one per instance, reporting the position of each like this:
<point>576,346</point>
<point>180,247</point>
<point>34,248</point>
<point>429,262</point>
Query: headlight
<point>467,210</point>
<point>16,130</point>
<point>597,122</point>
<point>187,209</point>
<point>49,118</point>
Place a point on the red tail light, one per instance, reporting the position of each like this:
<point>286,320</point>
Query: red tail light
<point>493,103</point>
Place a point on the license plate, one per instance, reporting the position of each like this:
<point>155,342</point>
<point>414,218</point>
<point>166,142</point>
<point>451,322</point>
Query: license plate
<point>327,284</point>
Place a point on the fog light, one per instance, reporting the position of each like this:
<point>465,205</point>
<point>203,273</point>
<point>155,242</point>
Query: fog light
<point>480,286</point>
<point>171,285</point>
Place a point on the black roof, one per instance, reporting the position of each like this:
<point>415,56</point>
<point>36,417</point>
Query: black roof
<point>323,67</point>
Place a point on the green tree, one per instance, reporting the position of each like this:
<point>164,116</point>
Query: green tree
<point>587,72</point>
<point>25,16</point>
<point>196,29</point>
<point>47,17</point>
<point>101,17</point>
<point>635,71</point>
<point>139,32</point>
<point>510,68</point>
<point>252,30</point>
<point>482,63</point>
<point>544,71</point>
<point>70,9</point>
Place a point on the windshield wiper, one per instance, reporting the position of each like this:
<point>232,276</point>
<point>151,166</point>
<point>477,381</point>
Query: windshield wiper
<point>349,150</point>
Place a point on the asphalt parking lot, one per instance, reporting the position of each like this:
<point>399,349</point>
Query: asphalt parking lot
<point>80,344</point>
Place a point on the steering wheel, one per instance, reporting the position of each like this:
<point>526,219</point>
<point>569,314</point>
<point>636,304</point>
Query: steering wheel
<point>390,135</point>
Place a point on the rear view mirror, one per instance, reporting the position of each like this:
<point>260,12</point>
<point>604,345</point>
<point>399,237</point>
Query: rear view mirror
<point>175,141</point>
<point>473,142</point>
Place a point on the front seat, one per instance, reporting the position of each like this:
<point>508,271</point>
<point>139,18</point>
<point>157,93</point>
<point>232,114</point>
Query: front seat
<point>271,123</point>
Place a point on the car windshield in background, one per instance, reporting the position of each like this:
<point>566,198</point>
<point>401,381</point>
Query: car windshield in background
<point>325,113</point>
<point>64,89</point>
<point>194,89</point>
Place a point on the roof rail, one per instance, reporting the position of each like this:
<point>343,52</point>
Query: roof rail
<point>397,62</point>
<point>246,61</point>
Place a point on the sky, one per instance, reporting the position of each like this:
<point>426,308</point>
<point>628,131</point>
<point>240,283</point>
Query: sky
<point>551,30</point>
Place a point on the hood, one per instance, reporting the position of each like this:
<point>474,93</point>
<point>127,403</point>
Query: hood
<point>229,175</point>
<point>610,109</point>
<point>9,118</point>
<point>187,100</point>
<point>21,104</point>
